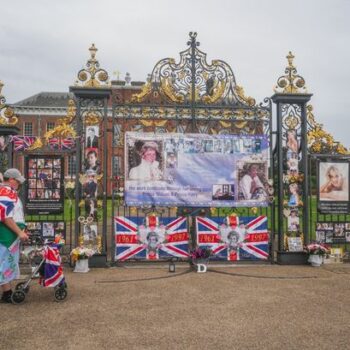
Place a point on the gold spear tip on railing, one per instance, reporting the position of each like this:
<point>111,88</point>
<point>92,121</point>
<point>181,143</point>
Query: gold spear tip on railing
<point>290,57</point>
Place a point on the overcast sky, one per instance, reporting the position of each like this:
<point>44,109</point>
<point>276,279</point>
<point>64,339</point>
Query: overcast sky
<point>45,43</point>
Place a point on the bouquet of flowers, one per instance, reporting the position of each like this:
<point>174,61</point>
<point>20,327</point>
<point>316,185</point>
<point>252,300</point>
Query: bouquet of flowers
<point>201,254</point>
<point>317,249</point>
<point>81,253</point>
<point>59,240</point>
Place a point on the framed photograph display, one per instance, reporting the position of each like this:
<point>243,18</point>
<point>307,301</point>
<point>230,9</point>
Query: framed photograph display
<point>44,186</point>
<point>333,232</point>
<point>46,229</point>
<point>333,187</point>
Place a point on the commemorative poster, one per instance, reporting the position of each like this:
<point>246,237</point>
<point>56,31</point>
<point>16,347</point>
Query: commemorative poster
<point>44,185</point>
<point>333,232</point>
<point>196,170</point>
<point>151,238</point>
<point>234,238</point>
<point>333,187</point>
<point>46,229</point>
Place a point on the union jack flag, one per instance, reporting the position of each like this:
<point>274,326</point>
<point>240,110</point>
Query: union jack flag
<point>245,238</point>
<point>53,271</point>
<point>8,199</point>
<point>135,240</point>
<point>57,143</point>
<point>22,143</point>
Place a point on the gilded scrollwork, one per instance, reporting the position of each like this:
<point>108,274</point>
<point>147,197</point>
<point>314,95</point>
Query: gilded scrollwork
<point>292,121</point>
<point>36,145</point>
<point>168,89</point>
<point>245,99</point>
<point>92,118</point>
<point>291,82</point>
<point>158,123</point>
<point>291,116</point>
<point>210,83</point>
<point>92,76</point>
<point>145,91</point>
<point>320,140</point>
<point>64,128</point>
<point>7,115</point>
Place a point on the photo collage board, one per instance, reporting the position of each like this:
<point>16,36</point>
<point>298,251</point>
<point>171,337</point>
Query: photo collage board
<point>333,232</point>
<point>46,229</point>
<point>44,185</point>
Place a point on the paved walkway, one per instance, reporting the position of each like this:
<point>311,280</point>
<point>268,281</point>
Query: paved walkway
<point>242,307</point>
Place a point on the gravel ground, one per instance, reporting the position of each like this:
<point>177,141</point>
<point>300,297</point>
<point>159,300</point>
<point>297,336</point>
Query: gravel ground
<point>241,307</point>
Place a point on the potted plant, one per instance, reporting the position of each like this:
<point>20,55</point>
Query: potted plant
<point>200,258</point>
<point>80,256</point>
<point>316,253</point>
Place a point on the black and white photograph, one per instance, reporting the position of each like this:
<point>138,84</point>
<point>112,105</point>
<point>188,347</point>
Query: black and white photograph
<point>48,229</point>
<point>91,160</point>
<point>92,134</point>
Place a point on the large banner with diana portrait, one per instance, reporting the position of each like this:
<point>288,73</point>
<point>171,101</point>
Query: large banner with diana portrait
<point>196,170</point>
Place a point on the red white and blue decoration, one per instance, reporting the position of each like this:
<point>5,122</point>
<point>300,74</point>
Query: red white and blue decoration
<point>60,144</point>
<point>22,143</point>
<point>234,238</point>
<point>151,238</point>
<point>8,199</point>
<point>53,271</point>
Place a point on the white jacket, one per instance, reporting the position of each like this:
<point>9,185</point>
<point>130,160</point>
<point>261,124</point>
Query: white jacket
<point>146,171</point>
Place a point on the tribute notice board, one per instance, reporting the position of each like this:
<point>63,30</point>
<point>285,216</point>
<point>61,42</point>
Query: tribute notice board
<point>44,185</point>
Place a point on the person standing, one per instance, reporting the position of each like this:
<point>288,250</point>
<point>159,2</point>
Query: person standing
<point>12,227</point>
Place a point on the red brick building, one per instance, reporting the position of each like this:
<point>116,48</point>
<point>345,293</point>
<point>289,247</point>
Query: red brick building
<point>41,113</point>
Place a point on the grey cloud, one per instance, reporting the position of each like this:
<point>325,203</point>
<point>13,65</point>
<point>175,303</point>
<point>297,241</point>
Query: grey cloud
<point>44,44</point>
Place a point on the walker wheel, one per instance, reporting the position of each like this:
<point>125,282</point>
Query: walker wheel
<point>60,294</point>
<point>19,286</point>
<point>18,297</point>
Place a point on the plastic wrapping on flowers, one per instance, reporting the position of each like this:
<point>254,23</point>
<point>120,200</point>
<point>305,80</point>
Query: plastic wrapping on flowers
<point>81,253</point>
<point>317,249</point>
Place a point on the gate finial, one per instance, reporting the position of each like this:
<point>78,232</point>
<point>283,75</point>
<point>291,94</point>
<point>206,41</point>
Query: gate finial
<point>291,83</point>
<point>92,76</point>
<point>192,41</point>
